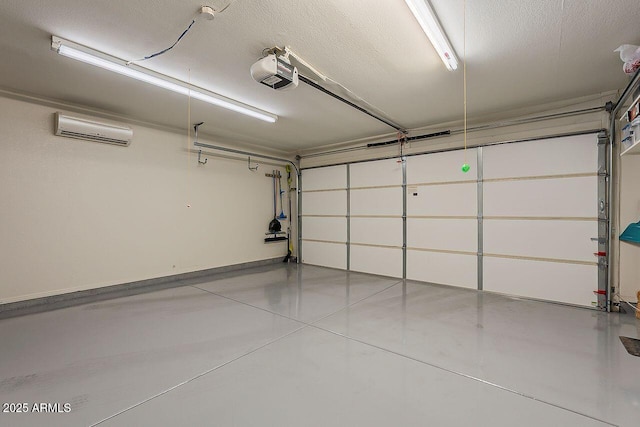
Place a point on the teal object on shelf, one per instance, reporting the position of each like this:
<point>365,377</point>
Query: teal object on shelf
<point>631,233</point>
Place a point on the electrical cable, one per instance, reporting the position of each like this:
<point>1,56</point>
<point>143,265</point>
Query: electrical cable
<point>184,33</point>
<point>226,7</point>
<point>167,49</point>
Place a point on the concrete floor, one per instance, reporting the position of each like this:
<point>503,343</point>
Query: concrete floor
<point>297,346</point>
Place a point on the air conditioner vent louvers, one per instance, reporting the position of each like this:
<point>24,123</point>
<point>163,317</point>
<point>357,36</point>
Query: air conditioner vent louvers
<point>92,137</point>
<point>81,128</point>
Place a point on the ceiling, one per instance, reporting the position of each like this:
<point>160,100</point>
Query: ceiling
<point>518,54</point>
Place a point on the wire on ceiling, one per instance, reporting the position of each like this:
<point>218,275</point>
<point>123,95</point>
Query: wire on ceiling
<point>153,55</point>
<point>226,7</point>
<point>184,33</point>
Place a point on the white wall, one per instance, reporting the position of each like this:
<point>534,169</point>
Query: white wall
<point>77,214</point>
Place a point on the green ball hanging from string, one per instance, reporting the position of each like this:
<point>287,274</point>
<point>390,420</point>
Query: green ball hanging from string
<point>465,168</point>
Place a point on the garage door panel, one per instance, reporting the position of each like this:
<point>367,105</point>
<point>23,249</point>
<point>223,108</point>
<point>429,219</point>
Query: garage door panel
<point>566,197</point>
<point>377,260</point>
<point>322,228</point>
<point>568,283</point>
<point>325,254</point>
<point>377,201</point>
<point>557,156</point>
<point>376,173</point>
<point>447,234</point>
<point>332,177</point>
<point>380,231</point>
<point>443,268</point>
<point>570,240</point>
<point>441,167</point>
<point>443,200</point>
<point>325,203</point>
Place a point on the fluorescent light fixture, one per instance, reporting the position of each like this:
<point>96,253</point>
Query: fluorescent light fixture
<point>428,20</point>
<point>86,55</point>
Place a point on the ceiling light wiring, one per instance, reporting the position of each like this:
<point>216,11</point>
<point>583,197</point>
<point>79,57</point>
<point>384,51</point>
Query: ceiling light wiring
<point>207,11</point>
<point>226,7</point>
<point>153,55</point>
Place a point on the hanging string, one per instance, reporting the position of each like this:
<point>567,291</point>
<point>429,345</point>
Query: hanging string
<point>465,165</point>
<point>189,140</point>
<point>464,73</point>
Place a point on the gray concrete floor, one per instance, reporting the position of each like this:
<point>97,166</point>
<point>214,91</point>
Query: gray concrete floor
<point>291,345</point>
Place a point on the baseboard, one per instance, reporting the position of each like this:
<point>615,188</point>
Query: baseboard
<point>54,302</point>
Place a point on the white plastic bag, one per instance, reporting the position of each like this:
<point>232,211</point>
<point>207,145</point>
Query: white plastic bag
<point>630,55</point>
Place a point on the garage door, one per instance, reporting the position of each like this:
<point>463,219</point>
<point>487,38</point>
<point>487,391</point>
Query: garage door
<point>540,202</point>
<point>524,221</point>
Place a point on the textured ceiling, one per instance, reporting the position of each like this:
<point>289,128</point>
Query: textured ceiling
<point>519,53</point>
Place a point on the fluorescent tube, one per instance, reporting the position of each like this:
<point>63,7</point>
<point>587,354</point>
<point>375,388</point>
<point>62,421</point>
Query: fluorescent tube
<point>427,19</point>
<point>65,49</point>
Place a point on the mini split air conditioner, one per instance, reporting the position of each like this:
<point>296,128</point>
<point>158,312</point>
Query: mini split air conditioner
<point>81,128</point>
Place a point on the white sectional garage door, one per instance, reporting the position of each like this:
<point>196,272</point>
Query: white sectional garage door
<point>523,221</point>
<point>540,213</point>
<point>324,216</point>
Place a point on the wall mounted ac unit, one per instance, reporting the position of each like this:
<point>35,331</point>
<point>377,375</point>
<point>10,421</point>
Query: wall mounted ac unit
<point>81,128</point>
